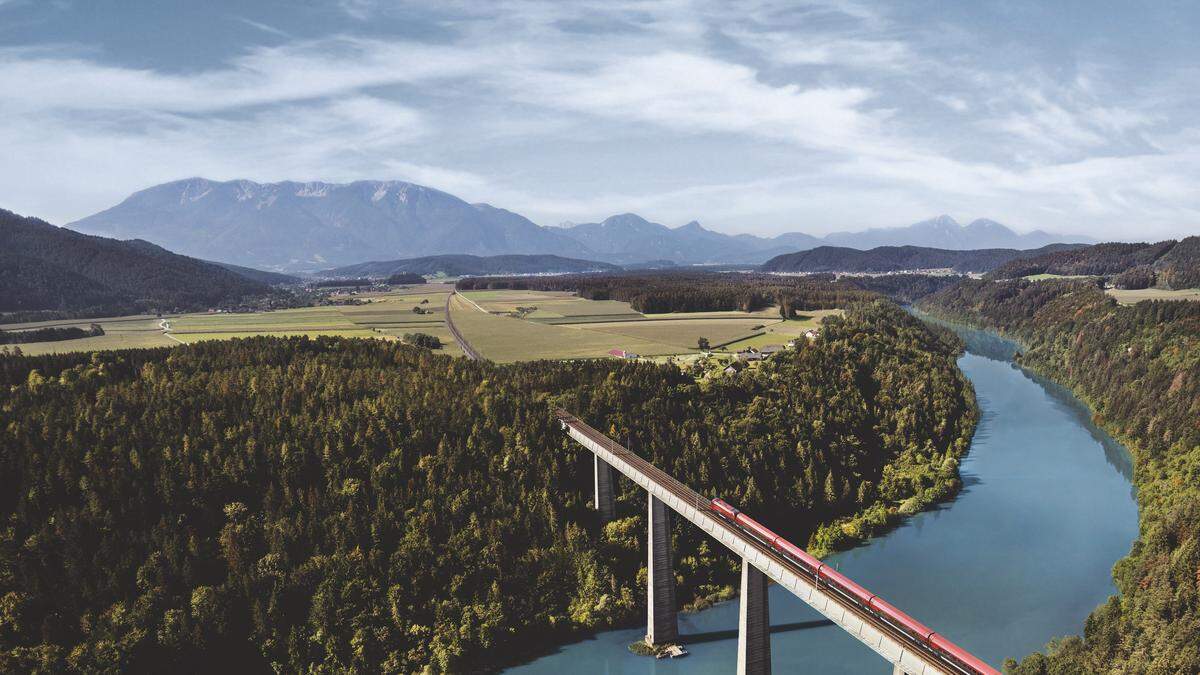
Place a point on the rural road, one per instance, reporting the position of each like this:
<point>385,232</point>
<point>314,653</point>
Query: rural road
<point>468,351</point>
<point>166,329</point>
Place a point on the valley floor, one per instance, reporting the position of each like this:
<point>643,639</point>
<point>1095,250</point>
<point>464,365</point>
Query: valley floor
<point>504,326</point>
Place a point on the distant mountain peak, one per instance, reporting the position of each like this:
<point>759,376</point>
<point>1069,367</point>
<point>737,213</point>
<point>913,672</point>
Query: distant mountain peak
<point>944,220</point>
<point>294,225</point>
<point>625,219</point>
<point>299,225</point>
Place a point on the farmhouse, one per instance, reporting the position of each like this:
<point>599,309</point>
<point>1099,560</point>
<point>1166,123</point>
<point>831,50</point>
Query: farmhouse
<point>622,354</point>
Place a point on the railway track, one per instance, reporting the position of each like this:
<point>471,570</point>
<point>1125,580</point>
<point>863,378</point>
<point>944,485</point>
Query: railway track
<point>703,504</point>
<point>465,346</point>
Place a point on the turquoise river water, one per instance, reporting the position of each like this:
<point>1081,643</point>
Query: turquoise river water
<point>1022,555</point>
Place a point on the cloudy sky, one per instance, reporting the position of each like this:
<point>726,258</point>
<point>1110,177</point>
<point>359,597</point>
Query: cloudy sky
<point>764,117</point>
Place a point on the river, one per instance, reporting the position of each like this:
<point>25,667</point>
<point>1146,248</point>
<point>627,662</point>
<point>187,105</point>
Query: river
<point>1022,555</point>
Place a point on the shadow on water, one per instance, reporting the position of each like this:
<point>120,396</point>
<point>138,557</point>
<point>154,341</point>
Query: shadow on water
<point>989,345</point>
<point>718,635</point>
<point>1114,453</point>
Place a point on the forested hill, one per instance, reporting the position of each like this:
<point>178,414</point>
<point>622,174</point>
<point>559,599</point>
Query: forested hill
<point>461,265</point>
<point>43,267</point>
<point>1167,264</point>
<point>900,258</point>
<point>687,291</point>
<point>339,505</point>
<point>261,276</point>
<point>1138,368</point>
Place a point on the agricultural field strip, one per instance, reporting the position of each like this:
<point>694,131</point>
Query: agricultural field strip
<point>507,339</point>
<point>618,318</point>
<point>1131,297</point>
<point>684,334</point>
<point>82,323</point>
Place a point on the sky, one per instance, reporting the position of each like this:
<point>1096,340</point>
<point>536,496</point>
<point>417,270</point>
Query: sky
<point>1076,117</point>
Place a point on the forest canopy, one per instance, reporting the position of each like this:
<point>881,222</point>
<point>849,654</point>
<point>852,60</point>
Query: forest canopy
<point>1138,369</point>
<point>676,291</point>
<point>330,504</point>
<point>43,267</point>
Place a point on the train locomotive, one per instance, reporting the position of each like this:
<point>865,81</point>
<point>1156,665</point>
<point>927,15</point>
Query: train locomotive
<point>828,579</point>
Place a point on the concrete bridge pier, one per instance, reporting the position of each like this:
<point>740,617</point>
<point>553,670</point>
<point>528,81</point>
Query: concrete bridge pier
<point>754,623</point>
<point>605,497</point>
<point>662,625</point>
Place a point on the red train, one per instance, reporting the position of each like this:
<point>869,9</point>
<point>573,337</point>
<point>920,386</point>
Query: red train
<point>827,577</point>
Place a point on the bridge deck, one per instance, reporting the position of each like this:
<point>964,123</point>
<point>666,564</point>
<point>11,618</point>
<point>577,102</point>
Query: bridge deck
<point>906,652</point>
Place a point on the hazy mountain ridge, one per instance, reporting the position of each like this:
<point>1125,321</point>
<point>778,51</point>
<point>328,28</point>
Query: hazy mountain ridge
<point>459,265</point>
<point>946,233</point>
<point>295,226</point>
<point>900,258</point>
<point>44,267</point>
<point>315,225</point>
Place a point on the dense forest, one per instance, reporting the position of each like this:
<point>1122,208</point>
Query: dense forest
<point>49,334</point>
<point>905,288</point>
<point>686,291</point>
<point>43,267</point>
<point>1166,264</point>
<point>261,276</point>
<point>1138,367</point>
<point>403,278</point>
<point>343,283</point>
<point>331,505</point>
<point>899,258</point>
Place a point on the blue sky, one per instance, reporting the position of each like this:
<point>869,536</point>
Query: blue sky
<point>759,117</point>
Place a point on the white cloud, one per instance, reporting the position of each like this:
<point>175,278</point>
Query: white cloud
<point>829,114</point>
<point>696,94</point>
<point>271,30</point>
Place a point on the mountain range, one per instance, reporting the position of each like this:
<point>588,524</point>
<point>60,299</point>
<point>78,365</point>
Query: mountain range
<point>294,226</point>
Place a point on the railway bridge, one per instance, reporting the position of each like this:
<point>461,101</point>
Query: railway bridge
<point>911,647</point>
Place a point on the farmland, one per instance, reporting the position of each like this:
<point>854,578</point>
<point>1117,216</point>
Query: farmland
<point>1052,277</point>
<point>504,325</point>
<point>384,315</point>
<point>519,325</point>
<point>123,332</point>
<point>1132,297</point>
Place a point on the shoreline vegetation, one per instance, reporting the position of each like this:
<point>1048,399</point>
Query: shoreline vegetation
<point>294,481</point>
<point>1137,367</point>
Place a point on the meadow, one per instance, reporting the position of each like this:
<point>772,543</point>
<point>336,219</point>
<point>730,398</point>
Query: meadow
<point>384,315</point>
<point>1133,297</point>
<point>500,324</point>
<point>565,326</point>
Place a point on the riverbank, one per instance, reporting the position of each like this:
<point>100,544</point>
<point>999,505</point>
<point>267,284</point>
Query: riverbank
<point>1022,554</point>
<point>1138,370</point>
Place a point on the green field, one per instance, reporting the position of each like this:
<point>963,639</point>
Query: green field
<point>563,327</point>
<point>782,332</point>
<point>505,339</point>
<point>681,334</point>
<point>1050,277</point>
<point>384,316</point>
<point>1134,297</point>
<point>550,304</point>
<point>122,332</point>
<point>572,327</point>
